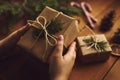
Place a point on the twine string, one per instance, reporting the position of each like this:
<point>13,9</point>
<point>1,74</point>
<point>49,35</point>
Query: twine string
<point>94,44</point>
<point>43,25</point>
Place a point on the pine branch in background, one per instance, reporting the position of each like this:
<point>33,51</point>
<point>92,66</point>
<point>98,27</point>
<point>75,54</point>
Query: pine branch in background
<point>38,5</point>
<point>10,11</point>
<point>33,8</point>
<point>11,8</point>
<point>70,10</point>
<point>116,37</point>
<point>53,27</point>
<point>107,22</point>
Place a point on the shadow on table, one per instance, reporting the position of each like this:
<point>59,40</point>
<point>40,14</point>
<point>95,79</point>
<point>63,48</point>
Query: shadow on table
<point>22,66</point>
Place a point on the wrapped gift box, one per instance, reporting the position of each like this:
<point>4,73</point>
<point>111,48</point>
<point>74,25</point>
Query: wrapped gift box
<point>89,53</point>
<point>69,30</point>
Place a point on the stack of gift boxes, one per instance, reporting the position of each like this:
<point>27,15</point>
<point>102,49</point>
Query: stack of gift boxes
<point>41,46</point>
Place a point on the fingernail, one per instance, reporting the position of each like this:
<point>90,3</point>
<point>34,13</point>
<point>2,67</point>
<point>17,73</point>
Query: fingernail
<point>74,43</point>
<point>60,37</point>
<point>26,27</point>
<point>28,24</point>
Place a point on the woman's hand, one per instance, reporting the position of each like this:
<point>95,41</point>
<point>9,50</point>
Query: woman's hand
<point>7,44</point>
<point>61,66</point>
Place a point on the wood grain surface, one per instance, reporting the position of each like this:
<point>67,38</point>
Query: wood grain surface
<point>100,70</point>
<point>22,66</point>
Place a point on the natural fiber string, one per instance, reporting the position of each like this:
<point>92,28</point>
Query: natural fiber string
<point>43,27</point>
<point>45,54</point>
<point>94,43</point>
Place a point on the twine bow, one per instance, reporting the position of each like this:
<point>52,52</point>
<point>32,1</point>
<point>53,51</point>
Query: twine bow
<point>41,23</point>
<point>92,42</point>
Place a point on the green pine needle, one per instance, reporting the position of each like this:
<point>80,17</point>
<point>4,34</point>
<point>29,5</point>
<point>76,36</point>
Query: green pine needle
<point>54,27</point>
<point>100,45</point>
<point>32,9</point>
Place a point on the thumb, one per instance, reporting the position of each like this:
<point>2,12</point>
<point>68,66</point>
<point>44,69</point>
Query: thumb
<point>71,54</point>
<point>58,50</point>
<point>14,37</point>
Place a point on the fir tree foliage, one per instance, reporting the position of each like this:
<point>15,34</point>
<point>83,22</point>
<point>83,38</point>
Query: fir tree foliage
<point>52,27</point>
<point>107,22</point>
<point>116,37</point>
<point>101,46</point>
<point>14,9</point>
<point>32,8</point>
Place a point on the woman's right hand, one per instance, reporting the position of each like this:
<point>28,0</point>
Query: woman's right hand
<point>61,66</point>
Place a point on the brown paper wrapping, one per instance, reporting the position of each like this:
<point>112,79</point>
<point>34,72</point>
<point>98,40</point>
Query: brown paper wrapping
<point>91,55</point>
<point>69,31</point>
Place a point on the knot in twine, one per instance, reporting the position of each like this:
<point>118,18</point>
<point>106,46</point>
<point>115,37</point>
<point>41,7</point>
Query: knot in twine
<point>41,23</point>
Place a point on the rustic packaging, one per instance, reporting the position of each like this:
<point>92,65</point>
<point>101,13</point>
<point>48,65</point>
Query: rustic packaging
<point>92,55</point>
<point>69,31</point>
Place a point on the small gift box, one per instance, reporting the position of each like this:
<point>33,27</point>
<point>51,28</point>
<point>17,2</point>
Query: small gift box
<point>41,37</point>
<point>93,48</point>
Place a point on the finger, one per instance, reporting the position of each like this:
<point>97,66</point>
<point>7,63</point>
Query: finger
<point>71,51</point>
<point>18,33</point>
<point>59,47</point>
<point>13,38</point>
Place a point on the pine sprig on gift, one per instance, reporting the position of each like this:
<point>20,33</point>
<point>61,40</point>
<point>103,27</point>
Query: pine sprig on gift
<point>89,41</point>
<point>99,46</point>
<point>55,26</point>
<point>107,22</point>
<point>52,27</point>
<point>116,37</point>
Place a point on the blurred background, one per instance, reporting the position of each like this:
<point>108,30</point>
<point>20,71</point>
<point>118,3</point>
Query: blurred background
<point>12,11</point>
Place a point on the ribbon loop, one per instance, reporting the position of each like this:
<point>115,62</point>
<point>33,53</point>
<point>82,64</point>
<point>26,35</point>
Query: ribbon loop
<point>92,42</point>
<point>41,23</point>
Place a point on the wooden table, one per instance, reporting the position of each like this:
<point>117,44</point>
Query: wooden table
<point>108,70</point>
<point>22,66</point>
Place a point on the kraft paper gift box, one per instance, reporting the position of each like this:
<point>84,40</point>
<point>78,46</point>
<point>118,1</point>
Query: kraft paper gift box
<point>88,53</point>
<point>38,47</point>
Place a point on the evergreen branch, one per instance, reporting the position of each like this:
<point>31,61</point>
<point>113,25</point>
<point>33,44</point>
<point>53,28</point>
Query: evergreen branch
<point>33,8</point>
<point>99,46</point>
<point>116,37</point>
<point>53,27</point>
